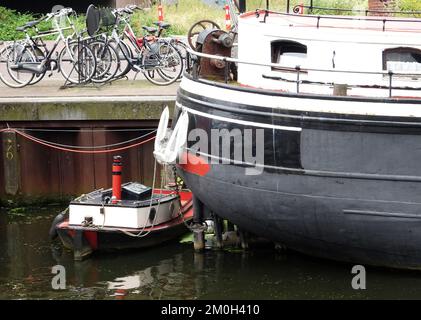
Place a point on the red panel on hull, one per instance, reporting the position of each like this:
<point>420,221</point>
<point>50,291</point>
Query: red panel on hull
<point>194,164</point>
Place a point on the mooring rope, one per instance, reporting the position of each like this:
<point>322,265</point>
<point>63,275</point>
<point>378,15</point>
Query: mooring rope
<point>95,147</point>
<point>73,149</point>
<point>85,130</point>
<point>142,233</point>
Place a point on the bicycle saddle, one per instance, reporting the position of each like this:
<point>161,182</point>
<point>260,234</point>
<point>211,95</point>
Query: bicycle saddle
<point>163,25</point>
<point>150,29</point>
<point>29,24</point>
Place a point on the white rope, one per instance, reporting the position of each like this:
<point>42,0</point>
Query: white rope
<point>141,234</point>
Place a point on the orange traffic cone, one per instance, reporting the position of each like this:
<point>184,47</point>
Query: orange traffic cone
<point>160,13</point>
<point>227,18</point>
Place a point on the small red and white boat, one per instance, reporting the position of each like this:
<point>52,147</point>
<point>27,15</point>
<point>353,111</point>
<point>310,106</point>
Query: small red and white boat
<point>169,210</point>
<point>128,216</point>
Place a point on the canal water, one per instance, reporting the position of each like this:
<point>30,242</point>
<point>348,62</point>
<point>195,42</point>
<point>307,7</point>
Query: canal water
<point>174,271</point>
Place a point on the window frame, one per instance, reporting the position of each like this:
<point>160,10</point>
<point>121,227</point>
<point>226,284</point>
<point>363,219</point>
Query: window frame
<point>398,50</point>
<point>276,52</point>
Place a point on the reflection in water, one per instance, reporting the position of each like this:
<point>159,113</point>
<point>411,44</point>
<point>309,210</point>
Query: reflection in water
<point>174,271</point>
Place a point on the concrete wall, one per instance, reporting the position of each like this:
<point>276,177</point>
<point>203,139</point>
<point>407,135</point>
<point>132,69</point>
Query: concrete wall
<point>30,172</point>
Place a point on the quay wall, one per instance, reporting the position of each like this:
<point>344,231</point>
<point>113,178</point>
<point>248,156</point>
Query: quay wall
<point>30,172</point>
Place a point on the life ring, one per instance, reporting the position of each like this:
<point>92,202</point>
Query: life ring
<point>175,143</point>
<point>162,129</point>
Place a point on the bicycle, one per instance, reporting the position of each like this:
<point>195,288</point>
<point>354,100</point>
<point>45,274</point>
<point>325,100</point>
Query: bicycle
<point>108,62</point>
<point>30,59</point>
<point>178,44</point>
<point>157,59</point>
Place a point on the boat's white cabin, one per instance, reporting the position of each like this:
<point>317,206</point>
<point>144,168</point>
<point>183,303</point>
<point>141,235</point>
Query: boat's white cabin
<point>327,50</point>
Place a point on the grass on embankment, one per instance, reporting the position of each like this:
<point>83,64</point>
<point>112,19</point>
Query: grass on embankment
<point>188,12</point>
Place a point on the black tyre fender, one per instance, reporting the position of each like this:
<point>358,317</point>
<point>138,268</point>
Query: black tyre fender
<point>52,233</point>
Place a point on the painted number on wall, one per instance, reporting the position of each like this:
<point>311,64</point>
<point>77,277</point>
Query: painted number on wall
<point>9,150</point>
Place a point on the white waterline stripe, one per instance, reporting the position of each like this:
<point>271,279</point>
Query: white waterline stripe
<point>242,122</point>
<point>302,103</point>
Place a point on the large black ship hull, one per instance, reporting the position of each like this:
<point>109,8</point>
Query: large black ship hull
<point>335,185</point>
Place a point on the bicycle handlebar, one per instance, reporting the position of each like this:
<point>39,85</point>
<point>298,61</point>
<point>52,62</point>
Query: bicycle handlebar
<point>133,7</point>
<point>60,13</point>
<point>129,9</point>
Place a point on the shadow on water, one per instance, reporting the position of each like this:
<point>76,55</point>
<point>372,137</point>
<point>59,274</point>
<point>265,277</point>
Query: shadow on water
<point>174,271</point>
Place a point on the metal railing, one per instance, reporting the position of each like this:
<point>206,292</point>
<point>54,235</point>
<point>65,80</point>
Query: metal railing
<point>383,20</point>
<point>366,12</point>
<point>299,70</point>
<point>311,7</point>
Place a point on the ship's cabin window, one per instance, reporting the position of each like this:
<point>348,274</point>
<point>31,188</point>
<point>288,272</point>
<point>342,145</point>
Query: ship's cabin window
<point>288,54</point>
<point>402,60</point>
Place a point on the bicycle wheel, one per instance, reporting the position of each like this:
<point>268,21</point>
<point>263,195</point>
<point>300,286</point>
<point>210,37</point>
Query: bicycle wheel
<point>163,64</point>
<point>180,47</point>
<point>11,57</point>
<point>40,56</point>
<point>77,63</point>
<point>174,62</point>
<point>107,61</point>
<point>125,56</point>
